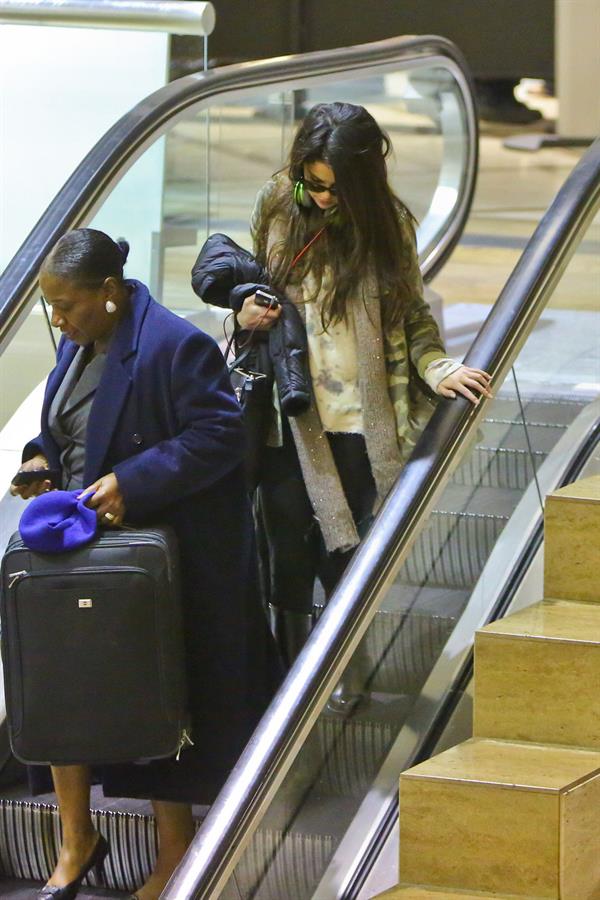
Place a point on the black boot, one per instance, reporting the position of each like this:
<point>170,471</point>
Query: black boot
<point>351,689</point>
<point>290,630</point>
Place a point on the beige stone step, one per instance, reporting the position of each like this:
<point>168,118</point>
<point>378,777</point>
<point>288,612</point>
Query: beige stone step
<point>572,541</point>
<point>416,892</point>
<point>537,675</point>
<point>503,817</point>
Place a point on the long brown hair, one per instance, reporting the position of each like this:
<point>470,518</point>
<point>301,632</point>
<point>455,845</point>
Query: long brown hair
<point>370,228</point>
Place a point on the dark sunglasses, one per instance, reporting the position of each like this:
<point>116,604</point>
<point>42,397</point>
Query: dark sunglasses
<point>315,188</point>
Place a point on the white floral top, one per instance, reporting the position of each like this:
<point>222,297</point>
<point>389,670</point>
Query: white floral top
<point>333,363</point>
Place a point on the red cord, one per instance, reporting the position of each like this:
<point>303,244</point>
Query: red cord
<point>299,256</point>
<point>295,260</point>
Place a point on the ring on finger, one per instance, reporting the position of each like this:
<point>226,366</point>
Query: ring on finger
<point>110,516</point>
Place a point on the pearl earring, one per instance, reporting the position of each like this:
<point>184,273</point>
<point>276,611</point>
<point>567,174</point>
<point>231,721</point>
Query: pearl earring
<point>110,307</point>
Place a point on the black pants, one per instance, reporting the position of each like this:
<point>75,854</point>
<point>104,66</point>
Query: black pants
<point>291,545</point>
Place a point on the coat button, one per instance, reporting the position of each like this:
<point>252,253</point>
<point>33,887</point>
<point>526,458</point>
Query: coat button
<point>137,439</point>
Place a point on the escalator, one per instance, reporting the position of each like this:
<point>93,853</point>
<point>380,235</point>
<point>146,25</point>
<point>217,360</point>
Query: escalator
<point>310,803</point>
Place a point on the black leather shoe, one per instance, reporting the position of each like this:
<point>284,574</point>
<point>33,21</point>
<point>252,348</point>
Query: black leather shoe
<point>70,890</point>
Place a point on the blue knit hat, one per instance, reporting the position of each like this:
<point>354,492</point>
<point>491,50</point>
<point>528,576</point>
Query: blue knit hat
<point>57,521</point>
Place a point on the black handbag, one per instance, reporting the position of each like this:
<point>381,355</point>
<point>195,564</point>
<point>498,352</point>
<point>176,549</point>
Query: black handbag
<point>251,374</point>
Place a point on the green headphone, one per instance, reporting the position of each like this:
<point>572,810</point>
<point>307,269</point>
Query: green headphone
<point>301,196</point>
<point>303,200</point>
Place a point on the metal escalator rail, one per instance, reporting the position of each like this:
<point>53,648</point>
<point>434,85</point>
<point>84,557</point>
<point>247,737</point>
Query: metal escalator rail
<point>122,144</point>
<point>236,813</point>
<point>141,15</point>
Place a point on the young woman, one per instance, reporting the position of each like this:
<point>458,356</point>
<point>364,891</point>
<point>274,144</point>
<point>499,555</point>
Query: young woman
<point>341,245</point>
<point>140,408</point>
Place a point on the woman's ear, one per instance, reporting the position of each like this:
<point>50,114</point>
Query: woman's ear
<point>110,286</point>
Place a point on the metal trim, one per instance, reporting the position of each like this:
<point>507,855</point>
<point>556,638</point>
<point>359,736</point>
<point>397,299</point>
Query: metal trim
<point>171,16</point>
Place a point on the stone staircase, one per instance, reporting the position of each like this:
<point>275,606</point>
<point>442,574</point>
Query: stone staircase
<point>515,811</point>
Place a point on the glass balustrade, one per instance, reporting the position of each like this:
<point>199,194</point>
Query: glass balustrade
<point>348,768</point>
<point>24,364</point>
<point>202,170</point>
<point>203,174</point>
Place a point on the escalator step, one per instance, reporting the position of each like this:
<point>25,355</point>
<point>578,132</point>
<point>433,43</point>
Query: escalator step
<point>499,467</point>
<point>407,635</point>
<point>278,866</point>
<point>29,833</point>
<point>549,410</point>
<point>25,890</point>
<point>502,458</point>
<point>454,546</point>
<point>30,837</point>
<point>354,748</point>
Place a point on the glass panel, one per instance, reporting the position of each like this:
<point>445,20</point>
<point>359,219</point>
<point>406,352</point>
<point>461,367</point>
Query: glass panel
<point>422,112</point>
<point>448,575</point>
<point>24,365</point>
<point>204,174</point>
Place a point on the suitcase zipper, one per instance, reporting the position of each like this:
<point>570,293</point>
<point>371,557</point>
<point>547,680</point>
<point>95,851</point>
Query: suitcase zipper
<point>15,576</point>
<point>81,570</point>
<point>115,542</point>
<point>184,741</point>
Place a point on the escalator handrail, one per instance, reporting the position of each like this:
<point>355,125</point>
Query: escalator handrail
<point>129,136</point>
<point>237,811</point>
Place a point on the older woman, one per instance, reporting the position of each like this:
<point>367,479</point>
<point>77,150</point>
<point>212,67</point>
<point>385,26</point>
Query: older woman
<point>139,408</point>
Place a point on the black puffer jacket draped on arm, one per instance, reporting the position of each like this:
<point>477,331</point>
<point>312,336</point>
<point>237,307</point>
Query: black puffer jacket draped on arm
<point>224,275</point>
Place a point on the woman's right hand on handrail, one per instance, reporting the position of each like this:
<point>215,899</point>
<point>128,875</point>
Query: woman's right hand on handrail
<point>253,317</point>
<point>40,486</point>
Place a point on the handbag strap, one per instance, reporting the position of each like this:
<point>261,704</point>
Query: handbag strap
<point>241,358</point>
<point>306,247</point>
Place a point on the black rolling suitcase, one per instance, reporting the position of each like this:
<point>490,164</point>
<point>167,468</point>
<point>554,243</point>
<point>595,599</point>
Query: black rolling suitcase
<point>92,649</point>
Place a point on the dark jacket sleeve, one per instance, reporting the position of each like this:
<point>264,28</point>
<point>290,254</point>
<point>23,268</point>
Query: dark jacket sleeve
<point>221,268</point>
<point>225,274</point>
<point>209,439</point>
<point>33,448</point>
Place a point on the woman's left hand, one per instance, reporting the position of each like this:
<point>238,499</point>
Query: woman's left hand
<point>466,381</point>
<point>107,500</point>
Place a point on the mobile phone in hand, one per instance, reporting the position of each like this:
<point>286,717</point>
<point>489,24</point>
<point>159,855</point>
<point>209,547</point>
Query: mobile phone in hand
<point>261,298</point>
<point>33,475</point>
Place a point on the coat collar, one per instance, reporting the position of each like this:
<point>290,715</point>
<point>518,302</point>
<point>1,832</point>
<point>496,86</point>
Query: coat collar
<point>115,383</point>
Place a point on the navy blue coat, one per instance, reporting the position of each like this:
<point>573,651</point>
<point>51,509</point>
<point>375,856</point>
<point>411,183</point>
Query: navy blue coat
<point>165,420</point>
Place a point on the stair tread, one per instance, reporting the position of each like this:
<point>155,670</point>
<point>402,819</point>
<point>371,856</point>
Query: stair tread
<point>377,710</point>
<point>422,892</point>
<point>519,766</point>
<point>474,500</point>
<point>14,889</point>
<point>556,620</point>
<point>402,598</point>
<point>585,489</point>
<point>513,437</point>
<point>549,410</point>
